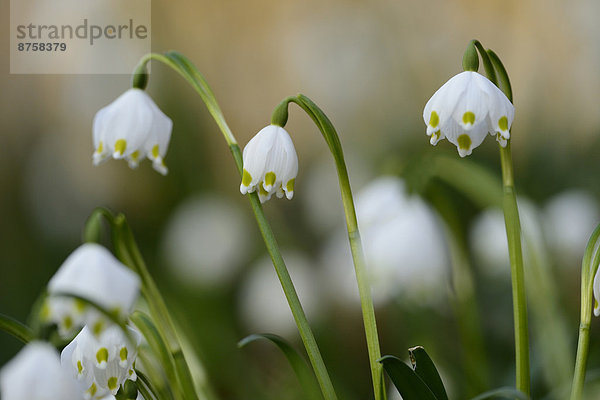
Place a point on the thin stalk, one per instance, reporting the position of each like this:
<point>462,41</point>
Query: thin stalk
<point>16,329</point>
<point>368,311</point>
<point>588,270</point>
<point>130,255</point>
<point>191,74</point>
<point>513,233</point>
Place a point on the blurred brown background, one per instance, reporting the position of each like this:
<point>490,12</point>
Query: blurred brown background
<point>371,66</point>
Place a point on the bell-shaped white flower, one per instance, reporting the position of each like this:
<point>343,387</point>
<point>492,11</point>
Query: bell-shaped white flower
<point>93,273</point>
<point>465,109</point>
<point>270,164</point>
<point>36,374</point>
<point>132,127</point>
<point>102,363</point>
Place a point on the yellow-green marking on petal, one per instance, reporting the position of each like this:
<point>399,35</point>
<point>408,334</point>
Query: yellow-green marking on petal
<point>290,185</point>
<point>434,119</point>
<point>79,305</point>
<point>120,146</point>
<point>68,322</point>
<point>123,354</point>
<point>112,383</point>
<point>79,367</point>
<point>100,147</point>
<point>503,123</point>
<point>468,118</point>
<point>155,153</point>
<point>92,390</point>
<point>464,141</point>
<point>262,190</point>
<point>246,178</point>
<point>270,178</point>
<point>98,327</point>
<point>102,355</point>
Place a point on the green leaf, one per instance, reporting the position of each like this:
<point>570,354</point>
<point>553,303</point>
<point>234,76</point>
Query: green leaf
<point>299,365</point>
<point>504,393</point>
<point>406,380</point>
<point>426,370</point>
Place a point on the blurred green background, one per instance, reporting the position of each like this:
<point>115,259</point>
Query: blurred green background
<point>371,66</point>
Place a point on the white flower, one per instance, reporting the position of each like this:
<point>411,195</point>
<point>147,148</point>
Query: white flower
<point>465,109</point>
<point>93,273</point>
<point>270,164</point>
<point>36,374</point>
<point>132,127</point>
<point>570,218</point>
<point>262,303</point>
<point>102,363</point>
<point>404,247</point>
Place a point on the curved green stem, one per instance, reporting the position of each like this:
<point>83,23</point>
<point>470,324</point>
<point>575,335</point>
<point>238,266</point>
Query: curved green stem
<point>588,270</point>
<point>364,287</point>
<point>492,64</point>
<point>191,74</point>
<point>16,329</point>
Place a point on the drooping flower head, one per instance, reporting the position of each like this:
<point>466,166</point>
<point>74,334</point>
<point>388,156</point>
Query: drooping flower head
<point>132,127</point>
<point>465,109</point>
<point>93,273</point>
<point>102,363</point>
<point>36,374</point>
<point>270,164</point>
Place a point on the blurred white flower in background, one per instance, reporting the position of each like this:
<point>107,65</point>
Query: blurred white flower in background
<point>488,242</point>
<point>101,363</point>
<point>206,240</point>
<point>403,243</point>
<point>270,164</point>
<point>132,127</point>
<point>570,218</point>
<point>465,109</point>
<point>35,373</point>
<point>93,273</point>
<point>262,303</point>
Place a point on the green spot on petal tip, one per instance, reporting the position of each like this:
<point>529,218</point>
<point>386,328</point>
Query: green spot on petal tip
<point>120,146</point>
<point>270,178</point>
<point>464,142</point>
<point>434,119</point>
<point>289,187</point>
<point>246,178</point>
<point>468,118</point>
<point>503,123</point>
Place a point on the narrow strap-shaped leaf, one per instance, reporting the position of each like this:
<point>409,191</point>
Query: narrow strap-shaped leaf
<point>426,370</point>
<point>15,328</point>
<point>158,346</point>
<point>502,393</point>
<point>408,383</point>
<point>299,365</point>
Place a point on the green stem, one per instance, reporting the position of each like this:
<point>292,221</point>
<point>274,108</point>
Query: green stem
<point>16,329</point>
<point>288,288</point>
<point>191,74</point>
<point>588,270</point>
<point>364,287</point>
<point>130,255</point>
<point>513,233</point>
<point>492,65</point>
